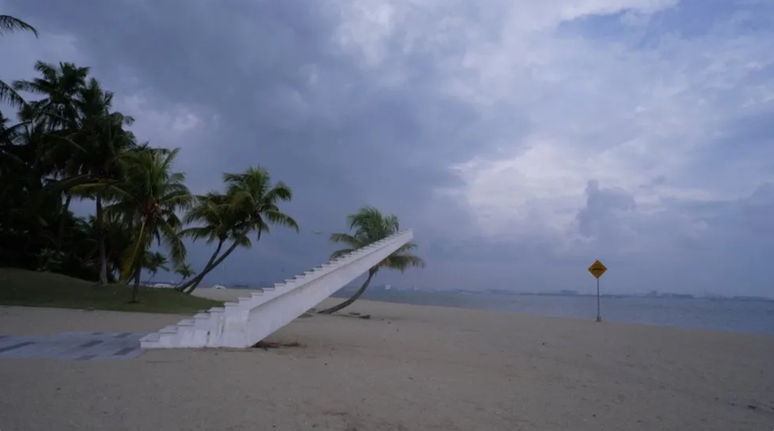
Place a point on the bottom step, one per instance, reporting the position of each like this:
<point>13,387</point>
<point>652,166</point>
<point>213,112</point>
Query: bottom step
<point>151,341</point>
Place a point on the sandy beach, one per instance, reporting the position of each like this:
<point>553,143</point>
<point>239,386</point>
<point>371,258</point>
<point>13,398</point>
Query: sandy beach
<point>406,368</point>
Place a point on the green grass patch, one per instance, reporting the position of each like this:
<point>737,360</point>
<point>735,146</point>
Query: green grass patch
<point>43,289</point>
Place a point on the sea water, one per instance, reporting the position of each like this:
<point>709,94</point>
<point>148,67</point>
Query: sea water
<point>715,314</point>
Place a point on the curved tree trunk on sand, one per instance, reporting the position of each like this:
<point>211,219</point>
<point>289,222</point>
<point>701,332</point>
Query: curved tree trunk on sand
<point>194,282</point>
<point>185,284</point>
<point>348,302</point>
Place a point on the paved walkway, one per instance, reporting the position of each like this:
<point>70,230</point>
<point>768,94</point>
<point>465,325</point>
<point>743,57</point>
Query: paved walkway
<point>80,346</point>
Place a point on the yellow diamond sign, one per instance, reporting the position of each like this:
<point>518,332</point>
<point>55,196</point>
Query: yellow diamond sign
<point>597,269</point>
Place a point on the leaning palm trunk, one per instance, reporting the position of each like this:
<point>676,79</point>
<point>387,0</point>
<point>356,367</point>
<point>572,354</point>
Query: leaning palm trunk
<point>63,220</point>
<point>198,278</point>
<point>136,286</point>
<point>103,280</point>
<point>348,302</point>
<point>194,283</point>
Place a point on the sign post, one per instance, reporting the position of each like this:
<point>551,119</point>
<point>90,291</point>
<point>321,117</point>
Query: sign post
<point>597,269</point>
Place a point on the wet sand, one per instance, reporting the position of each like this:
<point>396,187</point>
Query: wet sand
<point>406,368</point>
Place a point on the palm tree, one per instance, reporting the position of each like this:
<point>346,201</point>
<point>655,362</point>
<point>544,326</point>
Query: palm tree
<point>20,182</point>
<point>33,174</point>
<point>149,199</point>
<point>370,226</point>
<point>60,86</point>
<point>252,196</point>
<point>8,135</point>
<point>249,205</point>
<point>154,262</point>
<point>217,224</point>
<point>100,139</point>
<point>185,271</point>
<point>9,24</point>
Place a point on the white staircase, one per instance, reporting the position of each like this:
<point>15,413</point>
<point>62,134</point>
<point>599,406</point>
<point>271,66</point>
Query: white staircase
<point>252,318</point>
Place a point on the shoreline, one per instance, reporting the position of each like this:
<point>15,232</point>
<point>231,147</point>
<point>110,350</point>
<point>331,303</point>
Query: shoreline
<point>233,294</point>
<point>170,318</point>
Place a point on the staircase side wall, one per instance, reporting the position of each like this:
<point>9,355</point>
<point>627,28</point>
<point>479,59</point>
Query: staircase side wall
<point>246,326</point>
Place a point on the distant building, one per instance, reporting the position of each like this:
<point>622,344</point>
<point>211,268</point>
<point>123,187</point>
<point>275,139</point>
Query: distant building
<point>750,298</point>
<point>678,295</point>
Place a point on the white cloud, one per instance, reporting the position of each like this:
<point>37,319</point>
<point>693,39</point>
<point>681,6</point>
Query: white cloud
<point>583,107</point>
<point>600,110</point>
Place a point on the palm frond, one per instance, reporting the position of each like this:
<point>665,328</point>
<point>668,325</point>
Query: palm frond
<point>9,95</point>
<point>402,262</point>
<point>280,192</point>
<point>199,232</point>
<point>261,226</point>
<point>338,253</point>
<point>345,238</point>
<point>251,202</point>
<point>9,24</point>
<point>68,183</point>
<point>172,238</point>
<point>243,241</point>
<point>364,217</point>
<point>406,247</point>
<point>279,218</point>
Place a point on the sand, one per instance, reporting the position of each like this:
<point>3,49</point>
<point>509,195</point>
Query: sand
<point>407,368</point>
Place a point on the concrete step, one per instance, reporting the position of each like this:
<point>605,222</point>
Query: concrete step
<point>172,329</point>
<point>150,338</point>
<point>203,321</point>
<point>185,322</point>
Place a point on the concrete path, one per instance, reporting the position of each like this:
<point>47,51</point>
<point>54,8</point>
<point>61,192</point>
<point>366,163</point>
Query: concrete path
<point>81,346</point>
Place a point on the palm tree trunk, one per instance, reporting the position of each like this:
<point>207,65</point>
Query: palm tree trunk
<point>102,236</point>
<point>63,220</point>
<point>185,284</point>
<point>200,277</point>
<point>139,258</point>
<point>136,287</point>
<point>348,302</point>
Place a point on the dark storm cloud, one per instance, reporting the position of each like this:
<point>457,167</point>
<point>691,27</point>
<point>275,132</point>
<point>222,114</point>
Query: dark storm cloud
<point>289,97</point>
<point>241,58</point>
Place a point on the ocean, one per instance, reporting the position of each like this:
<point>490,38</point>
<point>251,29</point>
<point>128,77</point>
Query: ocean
<point>755,317</point>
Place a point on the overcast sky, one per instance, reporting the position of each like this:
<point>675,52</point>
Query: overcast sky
<point>519,139</point>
